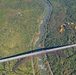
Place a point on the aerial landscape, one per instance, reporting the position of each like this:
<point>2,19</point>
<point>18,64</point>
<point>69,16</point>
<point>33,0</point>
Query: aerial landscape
<point>37,37</point>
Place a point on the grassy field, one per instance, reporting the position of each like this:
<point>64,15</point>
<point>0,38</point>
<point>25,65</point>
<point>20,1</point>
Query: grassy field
<point>63,11</point>
<point>19,23</point>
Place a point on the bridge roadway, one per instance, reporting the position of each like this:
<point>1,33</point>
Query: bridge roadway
<point>29,54</point>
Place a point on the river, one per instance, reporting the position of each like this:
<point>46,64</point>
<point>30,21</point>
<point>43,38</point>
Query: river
<point>43,23</point>
<point>40,58</point>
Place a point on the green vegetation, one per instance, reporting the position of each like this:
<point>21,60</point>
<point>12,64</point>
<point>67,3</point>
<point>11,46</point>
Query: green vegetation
<point>63,11</point>
<point>19,23</point>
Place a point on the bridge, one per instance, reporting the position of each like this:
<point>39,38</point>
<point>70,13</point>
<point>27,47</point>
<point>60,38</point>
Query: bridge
<point>34,53</point>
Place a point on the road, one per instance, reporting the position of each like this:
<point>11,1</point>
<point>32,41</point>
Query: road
<point>35,53</point>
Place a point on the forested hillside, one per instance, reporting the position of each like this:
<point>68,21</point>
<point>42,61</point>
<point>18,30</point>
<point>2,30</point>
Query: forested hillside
<point>63,15</point>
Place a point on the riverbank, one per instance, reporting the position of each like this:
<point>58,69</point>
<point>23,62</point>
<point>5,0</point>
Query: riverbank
<point>40,21</point>
<point>38,41</point>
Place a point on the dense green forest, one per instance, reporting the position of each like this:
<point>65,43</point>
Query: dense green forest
<point>63,11</point>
